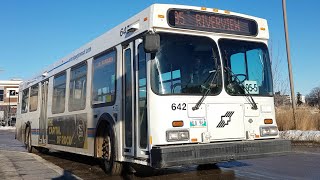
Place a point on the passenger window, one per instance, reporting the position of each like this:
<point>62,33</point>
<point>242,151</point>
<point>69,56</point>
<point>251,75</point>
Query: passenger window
<point>25,101</point>
<point>34,98</point>
<point>59,93</point>
<point>103,83</point>
<point>78,84</point>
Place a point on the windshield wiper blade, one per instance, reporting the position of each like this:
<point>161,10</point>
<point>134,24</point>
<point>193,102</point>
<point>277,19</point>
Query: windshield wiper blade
<point>208,89</point>
<point>248,95</point>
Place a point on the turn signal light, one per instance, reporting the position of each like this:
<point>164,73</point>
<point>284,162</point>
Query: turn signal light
<point>160,16</point>
<point>268,121</point>
<point>203,8</point>
<point>177,123</point>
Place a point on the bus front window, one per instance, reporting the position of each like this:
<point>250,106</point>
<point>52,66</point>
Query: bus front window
<point>184,64</point>
<point>247,67</point>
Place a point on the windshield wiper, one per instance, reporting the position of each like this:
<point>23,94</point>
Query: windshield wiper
<point>247,95</point>
<point>211,85</point>
<point>208,89</point>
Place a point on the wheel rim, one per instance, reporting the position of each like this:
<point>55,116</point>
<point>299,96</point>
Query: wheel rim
<point>106,152</point>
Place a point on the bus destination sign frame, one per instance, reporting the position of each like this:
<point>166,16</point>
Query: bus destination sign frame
<point>212,22</point>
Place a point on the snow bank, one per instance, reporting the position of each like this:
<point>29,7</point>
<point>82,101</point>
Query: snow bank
<point>297,135</point>
<point>7,128</point>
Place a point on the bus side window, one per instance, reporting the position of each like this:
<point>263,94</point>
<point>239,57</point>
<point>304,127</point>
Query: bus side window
<point>25,100</point>
<point>59,93</point>
<point>34,98</point>
<point>78,79</point>
<point>103,81</point>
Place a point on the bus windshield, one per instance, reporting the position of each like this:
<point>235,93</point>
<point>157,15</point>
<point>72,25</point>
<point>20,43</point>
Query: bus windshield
<point>247,67</point>
<point>184,64</point>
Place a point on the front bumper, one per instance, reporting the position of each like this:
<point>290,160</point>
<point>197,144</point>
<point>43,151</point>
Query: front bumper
<point>177,155</point>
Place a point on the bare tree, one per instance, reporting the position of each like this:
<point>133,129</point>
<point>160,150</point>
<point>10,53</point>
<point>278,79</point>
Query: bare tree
<point>280,78</point>
<point>313,98</point>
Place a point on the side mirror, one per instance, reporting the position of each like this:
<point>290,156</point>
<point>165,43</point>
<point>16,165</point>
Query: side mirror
<point>151,43</point>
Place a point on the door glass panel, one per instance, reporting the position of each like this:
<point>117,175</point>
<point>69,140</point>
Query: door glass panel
<point>142,97</point>
<point>128,98</point>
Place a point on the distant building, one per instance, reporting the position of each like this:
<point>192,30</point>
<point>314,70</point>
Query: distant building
<point>281,99</point>
<point>8,98</point>
<point>284,99</point>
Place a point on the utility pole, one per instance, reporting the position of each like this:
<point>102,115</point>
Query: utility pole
<point>284,10</point>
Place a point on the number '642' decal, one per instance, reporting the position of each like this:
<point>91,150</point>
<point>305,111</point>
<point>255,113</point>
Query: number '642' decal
<point>178,106</point>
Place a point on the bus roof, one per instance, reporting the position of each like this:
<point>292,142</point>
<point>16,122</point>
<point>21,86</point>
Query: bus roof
<point>153,17</point>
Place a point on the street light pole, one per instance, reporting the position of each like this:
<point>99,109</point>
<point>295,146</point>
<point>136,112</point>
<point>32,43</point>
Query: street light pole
<point>284,10</point>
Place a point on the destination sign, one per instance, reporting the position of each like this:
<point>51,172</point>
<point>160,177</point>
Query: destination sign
<point>213,22</point>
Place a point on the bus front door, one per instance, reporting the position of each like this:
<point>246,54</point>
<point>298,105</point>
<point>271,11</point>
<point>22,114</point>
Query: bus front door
<point>128,100</point>
<point>135,100</point>
<point>141,116</point>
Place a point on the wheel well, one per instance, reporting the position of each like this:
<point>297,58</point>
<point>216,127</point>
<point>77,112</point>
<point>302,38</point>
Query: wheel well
<point>105,124</point>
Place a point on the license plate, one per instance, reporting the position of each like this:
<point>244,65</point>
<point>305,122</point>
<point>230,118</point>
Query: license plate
<point>198,123</point>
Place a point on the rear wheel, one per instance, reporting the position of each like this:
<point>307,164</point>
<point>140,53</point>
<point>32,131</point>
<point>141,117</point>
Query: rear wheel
<point>106,144</point>
<point>28,143</point>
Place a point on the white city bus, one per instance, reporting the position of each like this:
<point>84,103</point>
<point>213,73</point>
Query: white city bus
<point>173,85</point>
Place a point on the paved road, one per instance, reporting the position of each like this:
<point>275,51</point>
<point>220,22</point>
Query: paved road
<point>303,163</point>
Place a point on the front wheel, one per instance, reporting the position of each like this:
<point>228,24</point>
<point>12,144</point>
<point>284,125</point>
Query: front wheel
<point>111,167</point>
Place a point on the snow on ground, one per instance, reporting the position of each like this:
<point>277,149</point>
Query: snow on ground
<point>7,127</point>
<point>297,135</point>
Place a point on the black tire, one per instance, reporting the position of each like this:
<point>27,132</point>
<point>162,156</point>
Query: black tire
<point>109,164</point>
<point>28,142</point>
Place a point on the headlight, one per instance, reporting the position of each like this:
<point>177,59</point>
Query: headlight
<point>182,135</point>
<point>269,131</point>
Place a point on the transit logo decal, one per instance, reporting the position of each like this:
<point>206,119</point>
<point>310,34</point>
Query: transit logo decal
<point>225,119</point>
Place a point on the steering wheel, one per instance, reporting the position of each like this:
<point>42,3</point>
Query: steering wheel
<point>236,78</point>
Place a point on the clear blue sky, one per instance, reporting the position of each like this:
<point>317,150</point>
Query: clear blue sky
<point>36,33</point>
